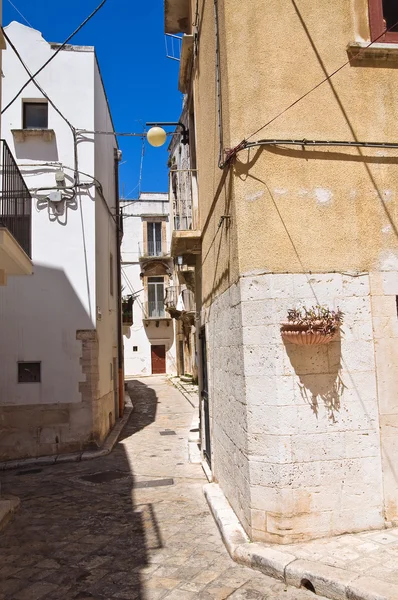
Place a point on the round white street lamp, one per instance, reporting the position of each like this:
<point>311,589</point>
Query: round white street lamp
<point>156,136</point>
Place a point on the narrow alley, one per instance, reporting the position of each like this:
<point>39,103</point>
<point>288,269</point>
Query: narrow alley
<point>133,525</point>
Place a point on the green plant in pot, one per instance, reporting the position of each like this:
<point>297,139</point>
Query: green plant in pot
<point>311,326</point>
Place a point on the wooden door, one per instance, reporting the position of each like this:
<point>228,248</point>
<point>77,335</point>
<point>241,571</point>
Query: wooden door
<point>158,355</point>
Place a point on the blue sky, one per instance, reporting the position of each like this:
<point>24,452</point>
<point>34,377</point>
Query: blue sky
<point>140,81</point>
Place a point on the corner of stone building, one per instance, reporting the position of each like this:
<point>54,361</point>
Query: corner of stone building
<point>92,405</point>
<point>296,439</point>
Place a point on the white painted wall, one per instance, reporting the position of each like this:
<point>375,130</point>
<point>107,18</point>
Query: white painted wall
<point>106,238</point>
<point>39,315</point>
<point>139,363</point>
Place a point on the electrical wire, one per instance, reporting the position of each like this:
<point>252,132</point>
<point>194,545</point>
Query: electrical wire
<point>76,170</point>
<point>20,14</point>
<point>244,143</point>
<point>53,55</point>
<point>315,87</point>
<point>41,90</point>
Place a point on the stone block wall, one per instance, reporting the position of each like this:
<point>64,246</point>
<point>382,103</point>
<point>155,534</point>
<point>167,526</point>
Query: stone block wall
<point>305,443</point>
<point>228,411</point>
<point>384,295</point>
<point>47,429</point>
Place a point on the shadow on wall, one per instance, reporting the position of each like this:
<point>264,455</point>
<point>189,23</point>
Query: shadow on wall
<point>36,148</point>
<point>39,319</point>
<point>85,518</point>
<point>318,370</point>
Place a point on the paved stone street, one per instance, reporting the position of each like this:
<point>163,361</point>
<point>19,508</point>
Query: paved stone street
<point>132,525</point>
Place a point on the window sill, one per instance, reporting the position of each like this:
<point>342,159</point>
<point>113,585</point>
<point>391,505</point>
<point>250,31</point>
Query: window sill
<point>21,135</point>
<point>359,52</point>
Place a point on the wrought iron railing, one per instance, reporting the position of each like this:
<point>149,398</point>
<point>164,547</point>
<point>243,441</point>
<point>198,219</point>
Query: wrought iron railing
<point>172,298</point>
<point>151,249</point>
<point>15,201</point>
<point>182,188</point>
<point>155,248</point>
<point>188,298</point>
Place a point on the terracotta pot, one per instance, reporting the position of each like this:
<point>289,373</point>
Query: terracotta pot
<point>299,334</point>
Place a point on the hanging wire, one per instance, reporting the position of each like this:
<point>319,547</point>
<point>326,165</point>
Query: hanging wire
<point>20,14</point>
<point>53,55</point>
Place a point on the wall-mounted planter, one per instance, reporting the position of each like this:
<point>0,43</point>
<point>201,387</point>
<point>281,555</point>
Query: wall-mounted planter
<point>301,335</point>
<point>311,326</point>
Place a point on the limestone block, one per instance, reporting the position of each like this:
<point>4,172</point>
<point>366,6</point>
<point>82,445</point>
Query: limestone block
<point>299,526</point>
<point>383,306</point>
<point>359,387</point>
<point>317,288</point>
<point>284,475</point>
<point>369,588</point>
<point>385,327</point>
<point>269,448</point>
<point>301,360</point>
<point>269,561</point>
<point>272,499</point>
<point>270,390</point>
<point>256,288</point>
<point>327,581</point>
<point>358,355</point>
<point>354,520</point>
<point>261,335</point>
<point>318,447</point>
<point>356,286</point>
<point>258,312</point>
<point>274,420</point>
<point>258,519</point>
<point>389,281</point>
<point>316,499</point>
<point>263,360</point>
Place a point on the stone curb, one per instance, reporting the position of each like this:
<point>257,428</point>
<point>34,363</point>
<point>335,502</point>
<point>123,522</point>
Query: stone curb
<point>330,582</point>
<point>106,449</point>
<point>175,381</point>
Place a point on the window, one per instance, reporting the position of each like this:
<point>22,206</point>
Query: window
<point>135,348</point>
<point>383,14</point>
<point>35,115</point>
<point>155,297</point>
<point>111,274</point>
<point>154,239</point>
<point>29,372</point>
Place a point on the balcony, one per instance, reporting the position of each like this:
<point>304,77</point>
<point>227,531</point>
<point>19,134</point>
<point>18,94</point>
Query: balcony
<point>176,16</point>
<point>15,219</point>
<point>180,303</point>
<point>186,238</point>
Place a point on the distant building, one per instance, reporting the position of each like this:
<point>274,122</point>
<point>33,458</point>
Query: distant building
<point>149,343</point>
<point>59,346</point>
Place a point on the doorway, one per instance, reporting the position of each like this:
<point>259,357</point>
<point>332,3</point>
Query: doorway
<point>205,397</point>
<point>158,358</point>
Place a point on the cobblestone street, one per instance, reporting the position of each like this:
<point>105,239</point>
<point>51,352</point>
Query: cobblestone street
<point>132,525</point>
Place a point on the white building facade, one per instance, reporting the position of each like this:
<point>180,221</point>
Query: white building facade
<point>149,343</point>
<point>59,342</point>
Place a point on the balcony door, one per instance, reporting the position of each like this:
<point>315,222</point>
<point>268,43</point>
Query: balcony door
<point>156,297</point>
<point>154,239</point>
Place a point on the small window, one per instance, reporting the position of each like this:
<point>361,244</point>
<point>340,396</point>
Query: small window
<point>135,348</point>
<point>35,115</point>
<point>384,15</point>
<point>29,372</point>
<point>111,274</point>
